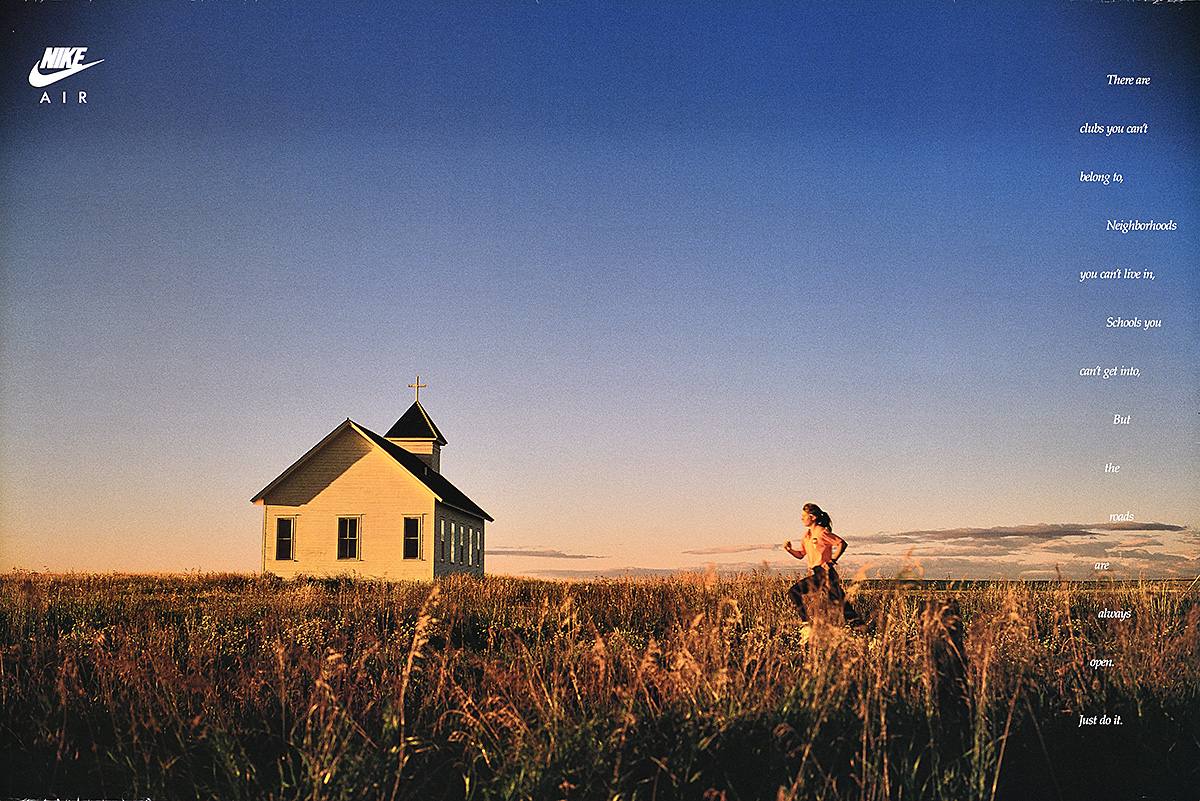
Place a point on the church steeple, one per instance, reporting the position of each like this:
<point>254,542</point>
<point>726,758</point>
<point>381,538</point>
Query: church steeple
<point>416,432</point>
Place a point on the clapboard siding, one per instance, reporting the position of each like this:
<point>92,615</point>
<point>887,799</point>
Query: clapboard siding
<point>313,475</point>
<point>351,479</point>
<point>355,473</point>
<point>457,542</point>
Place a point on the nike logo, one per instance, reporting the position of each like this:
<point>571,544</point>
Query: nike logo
<point>65,61</point>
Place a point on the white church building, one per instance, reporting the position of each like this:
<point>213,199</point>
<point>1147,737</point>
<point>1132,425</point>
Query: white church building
<point>373,506</point>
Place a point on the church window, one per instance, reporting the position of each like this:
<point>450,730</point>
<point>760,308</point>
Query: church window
<point>412,538</point>
<point>285,535</point>
<point>347,538</point>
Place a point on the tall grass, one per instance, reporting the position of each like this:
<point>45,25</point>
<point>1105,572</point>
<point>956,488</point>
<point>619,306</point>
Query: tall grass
<point>697,687</point>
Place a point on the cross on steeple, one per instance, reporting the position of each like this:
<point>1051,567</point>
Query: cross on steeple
<point>417,386</point>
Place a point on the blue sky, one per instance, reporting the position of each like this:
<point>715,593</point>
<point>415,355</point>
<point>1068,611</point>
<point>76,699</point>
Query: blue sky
<point>668,270</point>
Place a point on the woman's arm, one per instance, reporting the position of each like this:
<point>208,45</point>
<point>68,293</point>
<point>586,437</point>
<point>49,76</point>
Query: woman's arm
<point>836,544</point>
<point>839,549</point>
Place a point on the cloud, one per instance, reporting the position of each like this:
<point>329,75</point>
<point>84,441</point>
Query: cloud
<point>1035,551</point>
<point>1033,531</point>
<point>1098,550</point>
<point>1131,542</point>
<point>1038,575</point>
<point>544,554</point>
<point>1160,558</point>
<point>721,568</point>
<point>1123,564</point>
<point>1018,536</point>
<point>771,546</point>
<point>608,573</point>
<point>1129,565</point>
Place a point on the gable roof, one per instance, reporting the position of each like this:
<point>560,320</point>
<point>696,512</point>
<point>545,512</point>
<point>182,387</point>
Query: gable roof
<point>415,424</point>
<point>442,489</point>
<point>446,492</point>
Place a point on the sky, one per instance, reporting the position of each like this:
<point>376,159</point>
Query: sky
<point>668,272</point>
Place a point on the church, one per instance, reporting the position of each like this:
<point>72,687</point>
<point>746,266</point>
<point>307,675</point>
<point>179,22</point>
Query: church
<point>372,506</point>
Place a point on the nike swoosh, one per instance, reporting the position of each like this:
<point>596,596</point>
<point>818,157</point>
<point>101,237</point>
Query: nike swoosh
<point>38,80</point>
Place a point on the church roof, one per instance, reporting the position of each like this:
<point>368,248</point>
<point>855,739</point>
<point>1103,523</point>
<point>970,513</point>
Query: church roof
<point>415,424</point>
<point>447,493</point>
<point>442,489</point>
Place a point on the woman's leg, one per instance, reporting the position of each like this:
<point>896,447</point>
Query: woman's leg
<point>803,587</point>
<point>838,596</point>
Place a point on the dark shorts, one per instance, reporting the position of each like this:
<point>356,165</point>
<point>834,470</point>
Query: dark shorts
<point>823,580</point>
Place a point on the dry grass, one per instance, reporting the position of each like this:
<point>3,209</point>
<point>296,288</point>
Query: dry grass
<point>695,687</point>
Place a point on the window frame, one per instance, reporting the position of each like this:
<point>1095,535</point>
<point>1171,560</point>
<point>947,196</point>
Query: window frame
<point>291,539</point>
<point>416,540</point>
<point>352,552</point>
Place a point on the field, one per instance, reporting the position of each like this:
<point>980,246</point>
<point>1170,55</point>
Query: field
<point>695,687</point>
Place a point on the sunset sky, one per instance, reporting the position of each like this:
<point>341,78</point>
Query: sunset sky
<point>668,271</point>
